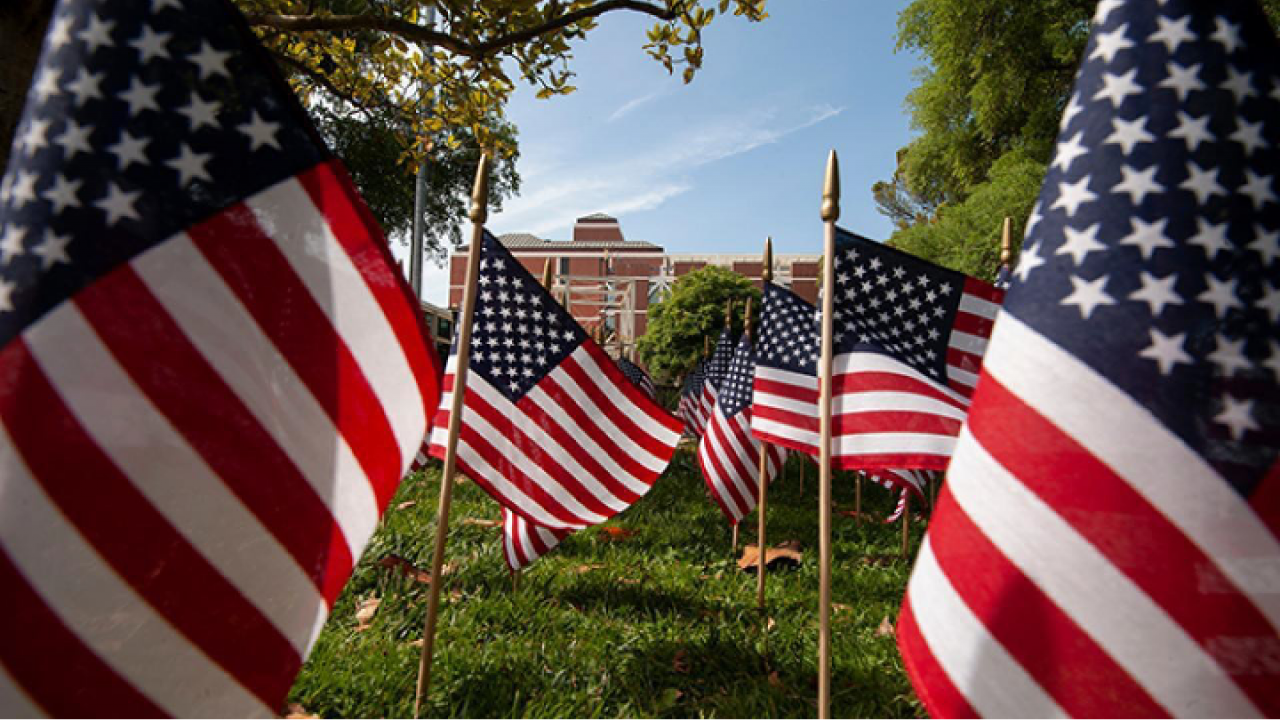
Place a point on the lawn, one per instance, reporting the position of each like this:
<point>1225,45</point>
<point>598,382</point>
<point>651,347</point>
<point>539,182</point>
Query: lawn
<point>661,623</point>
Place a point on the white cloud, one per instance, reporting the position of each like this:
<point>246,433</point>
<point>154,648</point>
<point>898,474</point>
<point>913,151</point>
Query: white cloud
<point>630,106</point>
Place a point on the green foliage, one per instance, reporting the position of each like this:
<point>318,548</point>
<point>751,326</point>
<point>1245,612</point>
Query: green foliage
<point>966,236</point>
<point>692,311</point>
<point>660,624</point>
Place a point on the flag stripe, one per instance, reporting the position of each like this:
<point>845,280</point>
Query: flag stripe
<point>1118,615</point>
<point>275,296</point>
<point>224,334</point>
<point>718,467</point>
<point>936,691</point>
<point>746,458</point>
<point>338,288</point>
<point>138,644</point>
<point>643,436</point>
<point>848,366</point>
<point>567,426</point>
<point>38,652</point>
<point>658,424</point>
<point>147,551</point>
<point>981,299</point>
<point>197,503</point>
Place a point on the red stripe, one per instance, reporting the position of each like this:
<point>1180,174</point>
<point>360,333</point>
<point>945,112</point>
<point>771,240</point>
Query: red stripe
<point>590,386</point>
<point>1079,675</point>
<point>735,470</point>
<point>634,394</point>
<point>41,654</point>
<point>358,233</point>
<point>785,443</point>
<point>940,697</point>
<point>264,281</point>
<point>710,465</point>
<point>856,381</point>
<point>979,289</point>
<point>965,361</point>
<point>786,390</point>
<point>973,324</point>
<point>175,377</point>
<point>139,543</point>
<point>1265,499</point>
<point>510,429</point>
<point>741,429</point>
<point>1134,536</point>
<point>894,421</point>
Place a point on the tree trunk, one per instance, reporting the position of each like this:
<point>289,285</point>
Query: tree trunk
<point>22,27</point>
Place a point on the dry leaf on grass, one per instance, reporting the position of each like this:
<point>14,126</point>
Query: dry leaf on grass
<point>839,607</point>
<point>680,663</point>
<point>886,628</point>
<point>769,624</point>
<point>783,555</point>
<point>395,562</point>
<point>297,712</point>
<point>587,568</point>
<point>613,533</point>
<point>482,522</point>
<point>417,643</point>
<point>365,613</point>
<point>406,504</point>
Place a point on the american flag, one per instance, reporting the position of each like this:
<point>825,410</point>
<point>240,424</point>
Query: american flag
<point>691,399</point>
<point>906,482</point>
<point>713,376</point>
<point>1106,543</point>
<point>638,377</point>
<point>552,429</point>
<point>785,410</point>
<point>523,542</point>
<point>728,453</point>
<point>214,377</point>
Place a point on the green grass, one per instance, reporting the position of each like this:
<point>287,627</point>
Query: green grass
<point>660,624</point>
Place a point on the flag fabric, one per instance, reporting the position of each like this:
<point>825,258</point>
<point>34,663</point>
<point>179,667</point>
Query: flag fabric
<point>213,377</point>
<point>906,482</point>
<point>523,542</point>
<point>691,399</point>
<point>728,453</point>
<point>1004,277</point>
<point>1106,543</point>
<point>713,375</point>
<point>638,377</point>
<point>785,409</point>
<point>551,429</point>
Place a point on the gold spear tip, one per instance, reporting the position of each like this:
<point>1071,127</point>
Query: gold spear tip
<point>728,312</point>
<point>766,273</point>
<point>746,318</point>
<point>1006,242</point>
<point>831,190</point>
<point>480,193</point>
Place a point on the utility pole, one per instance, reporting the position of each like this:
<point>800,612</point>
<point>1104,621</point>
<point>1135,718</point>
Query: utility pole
<point>419,203</point>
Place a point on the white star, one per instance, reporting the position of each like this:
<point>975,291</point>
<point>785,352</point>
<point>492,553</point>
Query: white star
<point>53,249</point>
<point>1266,244</point>
<point>1117,87</point>
<point>1127,133</point>
<point>1192,130</point>
<point>158,5</point>
<point>1080,243</point>
<point>62,194</point>
<point>6,295</point>
<point>1250,136</point>
<point>1237,415</point>
<point>11,243</point>
<point>200,113</point>
<point>1072,195</point>
<point>1107,44</point>
<point>1240,84</point>
<point>1229,356</point>
<point>1172,32</point>
<point>1213,238</point>
<point>260,133</point>
<point>97,33</point>
<point>34,136</point>
<point>1203,183</point>
<point>1074,107</point>
<point>1183,80</point>
<point>151,44</point>
<point>1157,292</point>
<point>1087,296</point>
<point>141,96</point>
<point>190,165</point>
<point>1227,34</point>
<point>60,31</point>
<point>23,189</point>
<point>211,62</point>
<point>74,140</point>
<point>1033,220</point>
<point>1221,294</point>
<point>129,149</point>
<point>1139,183</point>
<point>46,84</point>
<point>1166,351</point>
<point>85,86</point>
<point>1258,188</point>
<point>1068,151</point>
<point>1271,303</point>
<point>119,204</point>
<point>1029,260</point>
<point>1147,237</point>
<point>1104,10</point>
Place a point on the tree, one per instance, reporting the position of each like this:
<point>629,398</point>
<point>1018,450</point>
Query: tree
<point>693,310</point>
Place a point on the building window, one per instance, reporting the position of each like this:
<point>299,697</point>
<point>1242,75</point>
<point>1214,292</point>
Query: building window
<point>564,266</point>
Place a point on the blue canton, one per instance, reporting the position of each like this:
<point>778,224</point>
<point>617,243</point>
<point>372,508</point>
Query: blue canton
<point>1152,255</point>
<point>718,365</point>
<point>788,332</point>
<point>735,393</point>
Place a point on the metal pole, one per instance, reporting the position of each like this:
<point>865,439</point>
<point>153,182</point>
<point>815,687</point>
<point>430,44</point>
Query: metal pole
<point>830,213</point>
<point>419,203</point>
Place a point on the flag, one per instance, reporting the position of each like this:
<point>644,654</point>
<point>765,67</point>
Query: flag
<point>785,391</point>
<point>1106,543</point>
<point>691,399</point>
<point>728,454</point>
<point>713,376</point>
<point>211,375</point>
<point>552,429</point>
<point>638,377</point>
<point>906,482</point>
<point>523,542</point>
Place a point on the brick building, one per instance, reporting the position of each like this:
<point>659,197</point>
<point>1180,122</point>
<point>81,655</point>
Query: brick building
<point>613,280</point>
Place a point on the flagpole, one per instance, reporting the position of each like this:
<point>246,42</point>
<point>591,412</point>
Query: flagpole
<point>906,521</point>
<point>1006,242</point>
<point>479,212</point>
<point>830,213</point>
<point>766,276</point>
<point>728,322</point>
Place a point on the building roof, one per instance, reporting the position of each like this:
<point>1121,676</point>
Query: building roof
<point>526,241</point>
<point>598,217</point>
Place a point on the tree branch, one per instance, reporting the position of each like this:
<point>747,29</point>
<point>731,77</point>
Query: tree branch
<point>426,36</point>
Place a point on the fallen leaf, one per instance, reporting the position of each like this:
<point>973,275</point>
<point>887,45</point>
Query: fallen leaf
<point>395,562</point>
<point>769,624</point>
<point>587,568</point>
<point>417,643</point>
<point>482,522</point>
<point>365,613</point>
<point>839,607</point>
<point>297,712</point>
<point>680,663</point>
<point>886,627</point>
<point>406,504</point>
<point>774,680</point>
<point>630,581</point>
<point>613,533</point>
<point>782,555</point>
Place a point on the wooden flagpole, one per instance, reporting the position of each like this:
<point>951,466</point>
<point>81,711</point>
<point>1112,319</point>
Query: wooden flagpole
<point>479,212</point>
<point>857,499</point>
<point>906,521</point>
<point>1006,242</point>
<point>830,213</point>
<point>766,275</point>
<point>728,322</point>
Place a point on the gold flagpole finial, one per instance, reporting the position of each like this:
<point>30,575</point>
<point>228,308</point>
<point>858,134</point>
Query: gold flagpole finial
<point>480,193</point>
<point>728,313</point>
<point>746,318</point>
<point>1006,242</point>
<point>706,346</point>
<point>548,274</point>
<point>766,272</point>
<point>831,190</point>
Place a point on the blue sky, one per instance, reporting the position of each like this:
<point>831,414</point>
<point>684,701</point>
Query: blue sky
<point>738,154</point>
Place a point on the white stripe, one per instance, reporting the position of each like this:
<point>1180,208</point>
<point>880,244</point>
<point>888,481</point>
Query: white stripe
<point>14,702</point>
<point>622,403</point>
<point>765,426</point>
<point>709,448</point>
<point>1154,461</point>
<point>103,611</point>
<point>893,443</point>
<point>965,342</point>
<point>231,341</point>
<point>1131,627</point>
<point>975,305</point>
<point>786,377</point>
<point>855,402</point>
<point>737,430</point>
<point>964,377</point>
<point>781,402</point>
<point>570,427</point>
<point>548,539</point>
<point>539,437</point>
<point>852,363</point>
<point>174,477</point>
<point>508,539</point>
<point>991,680</point>
<point>288,216</point>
